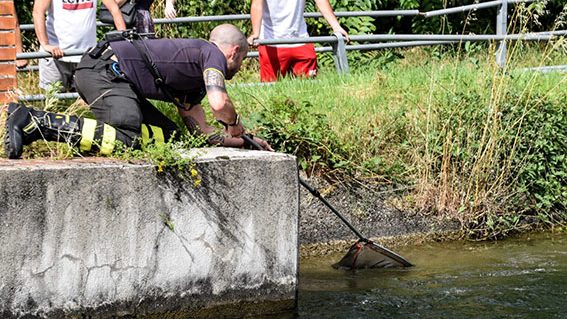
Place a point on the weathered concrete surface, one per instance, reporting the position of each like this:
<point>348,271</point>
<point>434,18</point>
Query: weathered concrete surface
<point>102,239</point>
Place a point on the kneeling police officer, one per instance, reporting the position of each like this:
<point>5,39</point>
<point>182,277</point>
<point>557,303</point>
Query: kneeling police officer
<point>117,78</point>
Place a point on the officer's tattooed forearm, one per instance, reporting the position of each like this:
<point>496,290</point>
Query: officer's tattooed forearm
<point>191,124</point>
<point>214,81</point>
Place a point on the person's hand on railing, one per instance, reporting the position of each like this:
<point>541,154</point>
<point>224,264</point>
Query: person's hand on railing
<point>251,39</point>
<point>339,29</point>
<point>20,64</point>
<point>55,51</point>
<point>170,12</point>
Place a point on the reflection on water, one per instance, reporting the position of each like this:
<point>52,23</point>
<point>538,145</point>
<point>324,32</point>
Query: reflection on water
<point>519,278</point>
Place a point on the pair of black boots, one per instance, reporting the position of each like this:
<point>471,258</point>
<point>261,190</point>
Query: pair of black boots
<point>25,125</point>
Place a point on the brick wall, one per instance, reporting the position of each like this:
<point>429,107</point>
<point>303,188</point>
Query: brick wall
<point>7,51</point>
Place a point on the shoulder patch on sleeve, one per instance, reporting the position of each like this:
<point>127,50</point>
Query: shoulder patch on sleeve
<point>214,69</point>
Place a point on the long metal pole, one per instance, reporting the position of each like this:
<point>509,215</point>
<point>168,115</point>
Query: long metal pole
<point>470,7</point>
<point>237,17</point>
<point>390,45</point>
<point>315,193</point>
<point>254,54</point>
<point>376,13</point>
<point>38,55</point>
<point>453,37</point>
<point>476,6</point>
<point>385,251</point>
<point>443,38</point>
<point>419,37</point>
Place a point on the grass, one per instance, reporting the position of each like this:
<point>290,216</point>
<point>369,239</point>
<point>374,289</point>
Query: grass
<point>478,144</point>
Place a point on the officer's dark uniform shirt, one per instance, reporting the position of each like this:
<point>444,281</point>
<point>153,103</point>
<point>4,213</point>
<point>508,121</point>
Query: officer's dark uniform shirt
<point>181,63</point>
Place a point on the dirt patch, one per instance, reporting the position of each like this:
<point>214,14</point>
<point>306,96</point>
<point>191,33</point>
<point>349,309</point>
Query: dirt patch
<point>366,209</point>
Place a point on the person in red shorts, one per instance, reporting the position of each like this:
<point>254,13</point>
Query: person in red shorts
<point>276,19</point>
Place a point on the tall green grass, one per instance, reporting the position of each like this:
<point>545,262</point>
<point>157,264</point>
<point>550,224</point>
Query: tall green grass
<point>479,144</point>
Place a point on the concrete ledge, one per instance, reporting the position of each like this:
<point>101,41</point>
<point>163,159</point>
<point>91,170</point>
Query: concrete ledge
<point>85,237</point>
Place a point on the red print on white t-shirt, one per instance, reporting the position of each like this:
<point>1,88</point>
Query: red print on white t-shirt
<point>77,4</point>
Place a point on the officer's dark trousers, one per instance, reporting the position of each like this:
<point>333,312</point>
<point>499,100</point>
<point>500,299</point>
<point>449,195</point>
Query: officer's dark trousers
<point>113,100</point>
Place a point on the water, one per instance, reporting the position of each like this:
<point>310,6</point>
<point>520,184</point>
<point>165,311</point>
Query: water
<point>516,278</point>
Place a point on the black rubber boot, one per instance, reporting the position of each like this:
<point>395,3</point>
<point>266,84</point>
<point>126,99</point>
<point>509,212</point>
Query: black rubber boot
<point>19,117</point>
<point>25,125</point>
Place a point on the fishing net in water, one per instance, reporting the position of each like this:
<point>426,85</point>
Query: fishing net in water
<point>366,254</point>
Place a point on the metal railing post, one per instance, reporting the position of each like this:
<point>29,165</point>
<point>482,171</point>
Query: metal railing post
<point>502,30</point>
<point>339,54</point>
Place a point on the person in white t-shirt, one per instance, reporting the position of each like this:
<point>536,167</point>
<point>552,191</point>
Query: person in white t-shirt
<point>276,19</point>
<point>69,25</point>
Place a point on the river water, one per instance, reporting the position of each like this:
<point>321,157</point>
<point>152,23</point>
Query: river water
<point>515,278</point>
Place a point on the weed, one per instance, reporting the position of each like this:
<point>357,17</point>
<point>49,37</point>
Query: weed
<point>167,221</point>
<point>173,156</point>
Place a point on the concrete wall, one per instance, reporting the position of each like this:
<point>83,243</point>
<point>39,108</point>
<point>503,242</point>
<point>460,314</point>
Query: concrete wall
<point>90,238</point>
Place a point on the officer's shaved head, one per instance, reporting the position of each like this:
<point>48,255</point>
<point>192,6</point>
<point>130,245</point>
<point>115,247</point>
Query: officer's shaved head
<point>227,34</point>
<point>232,42</point>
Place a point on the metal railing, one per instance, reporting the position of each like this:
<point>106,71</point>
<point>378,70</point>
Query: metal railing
<point>339,46</point>
<point>238,17</point>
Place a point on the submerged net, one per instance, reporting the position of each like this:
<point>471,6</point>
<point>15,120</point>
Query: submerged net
<point>366,254</point>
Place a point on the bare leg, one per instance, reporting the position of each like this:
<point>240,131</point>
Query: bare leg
<point>19,48</point>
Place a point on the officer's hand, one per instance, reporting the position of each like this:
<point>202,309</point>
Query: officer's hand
<point>235,130</point>
<point>264,144</point>
<point>258,144</point>
<point>55,51</point>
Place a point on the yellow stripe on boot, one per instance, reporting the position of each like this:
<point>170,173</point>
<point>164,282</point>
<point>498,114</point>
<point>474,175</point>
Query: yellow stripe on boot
<point>158,134</point>
<point>108,140</point>
<point>28,129</point>
<point>87,135</point>
<point>145,135</point>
